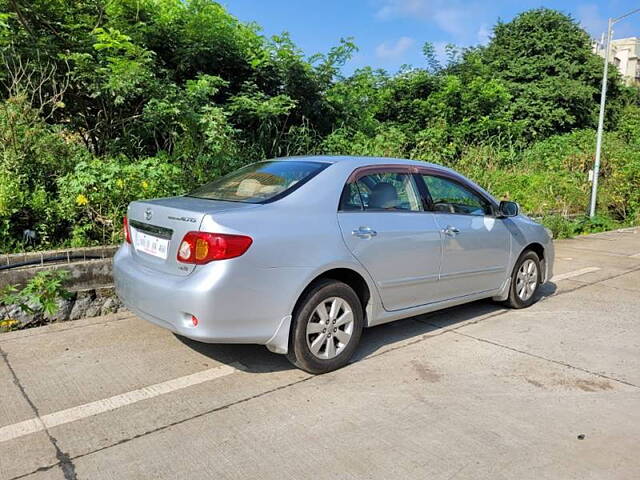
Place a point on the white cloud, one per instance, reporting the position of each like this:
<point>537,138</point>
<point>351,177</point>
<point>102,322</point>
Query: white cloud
<point>452,20</point>
<point>590,19</point>
<point>401,8</point>
<point>595,23</point>
<point>394,50</point>
<point>484,34</point>
<point>451,16</point>
<point>441,51</point>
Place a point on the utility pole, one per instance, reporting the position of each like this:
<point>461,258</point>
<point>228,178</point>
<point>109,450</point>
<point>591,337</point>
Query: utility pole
<point>603,100</point>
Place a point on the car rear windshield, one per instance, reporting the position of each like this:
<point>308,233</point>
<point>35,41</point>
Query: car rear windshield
<point>260,182</point>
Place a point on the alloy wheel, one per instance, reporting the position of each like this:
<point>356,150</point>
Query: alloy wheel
<point>330,328</point>
<point>526,280</point>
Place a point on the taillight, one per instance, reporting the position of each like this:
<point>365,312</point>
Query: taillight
<point>125,228</point>
<point>203,247</point>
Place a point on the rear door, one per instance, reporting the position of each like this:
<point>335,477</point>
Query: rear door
<point>475,242</point>
<point>384,224</point>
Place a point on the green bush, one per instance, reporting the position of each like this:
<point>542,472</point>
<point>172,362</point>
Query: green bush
<point>94,196</point>
<point>551,176</point>
<point>560,226</point>
<point>387,141</point>
<point>144,99</point>
<point>513,176</point>
<point>563,227</point>
<point>33,154</point>
<point>39,298</point>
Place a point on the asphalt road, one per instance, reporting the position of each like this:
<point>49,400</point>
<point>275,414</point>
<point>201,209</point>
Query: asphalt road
<point>476,391</point>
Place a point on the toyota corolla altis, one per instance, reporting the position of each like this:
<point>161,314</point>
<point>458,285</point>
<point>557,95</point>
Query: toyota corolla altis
<point>300,254</point>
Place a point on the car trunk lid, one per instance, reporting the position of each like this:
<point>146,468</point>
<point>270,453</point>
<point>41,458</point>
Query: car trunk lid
<point>158,226</point>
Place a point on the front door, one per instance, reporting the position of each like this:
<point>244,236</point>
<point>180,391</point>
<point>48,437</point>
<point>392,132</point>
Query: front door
<point>475,243</point>
<point>384,225</point>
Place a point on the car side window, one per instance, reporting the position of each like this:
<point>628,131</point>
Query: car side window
<point>383,191</point>
<point>350,199</point>
<point>450,197</point>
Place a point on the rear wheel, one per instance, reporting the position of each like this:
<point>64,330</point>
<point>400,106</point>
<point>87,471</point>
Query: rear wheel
<point>525,281</point>
<point>326,327</point>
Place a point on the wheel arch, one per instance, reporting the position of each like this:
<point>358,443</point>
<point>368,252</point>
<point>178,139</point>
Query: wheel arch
<point>348,275</point>
<point>537,248</point>
<point>279,342</point>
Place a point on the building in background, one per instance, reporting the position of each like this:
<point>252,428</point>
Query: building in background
<point>625,54</point>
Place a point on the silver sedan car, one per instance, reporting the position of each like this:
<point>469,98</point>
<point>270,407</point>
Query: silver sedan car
<point>300,254</point>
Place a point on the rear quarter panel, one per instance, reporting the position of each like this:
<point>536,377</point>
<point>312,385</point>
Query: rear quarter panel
<point>299,232</point>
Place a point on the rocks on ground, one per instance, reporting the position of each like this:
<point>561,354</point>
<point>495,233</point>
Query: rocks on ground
<point>82,304</point>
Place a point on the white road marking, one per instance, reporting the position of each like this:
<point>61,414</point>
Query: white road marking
<point>575,273</point>
<point>72,414</point>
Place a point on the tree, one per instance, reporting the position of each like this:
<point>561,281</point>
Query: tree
<point>105,101</point>
<point>545,59</point>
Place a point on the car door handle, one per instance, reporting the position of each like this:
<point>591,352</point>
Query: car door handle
<point>450,231</point>
<point>364,232</point>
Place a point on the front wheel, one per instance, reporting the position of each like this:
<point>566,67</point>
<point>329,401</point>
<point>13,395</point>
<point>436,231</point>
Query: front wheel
<point>525,280</point>
<point>326,327</point>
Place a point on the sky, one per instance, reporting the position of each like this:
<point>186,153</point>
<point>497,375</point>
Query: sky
<point>391,33</point>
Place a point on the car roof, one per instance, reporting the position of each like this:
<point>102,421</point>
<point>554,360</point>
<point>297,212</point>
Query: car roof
<point>358,161</point>
<point>363,161</point>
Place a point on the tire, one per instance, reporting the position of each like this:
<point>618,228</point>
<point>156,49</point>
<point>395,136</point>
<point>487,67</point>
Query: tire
<point>522,291</point>
<point>322,342</point>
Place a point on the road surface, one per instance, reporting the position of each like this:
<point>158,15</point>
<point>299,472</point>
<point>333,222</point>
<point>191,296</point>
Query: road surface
<point>476,391</point>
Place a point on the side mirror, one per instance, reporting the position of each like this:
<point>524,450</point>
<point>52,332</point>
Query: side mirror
<point>508,209</point>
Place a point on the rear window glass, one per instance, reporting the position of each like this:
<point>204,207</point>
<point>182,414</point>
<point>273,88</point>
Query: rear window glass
<point>260,182</point>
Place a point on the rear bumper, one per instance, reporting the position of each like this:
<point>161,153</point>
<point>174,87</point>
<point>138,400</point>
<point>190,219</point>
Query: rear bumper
<point>234,302</point>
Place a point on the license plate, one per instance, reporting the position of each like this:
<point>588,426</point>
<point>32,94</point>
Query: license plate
<point>151,245</point>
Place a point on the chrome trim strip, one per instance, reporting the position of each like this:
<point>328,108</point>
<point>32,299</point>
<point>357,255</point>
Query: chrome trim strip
<point>470,273</point>
<point>160,232</point>
<point>409,281</point>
